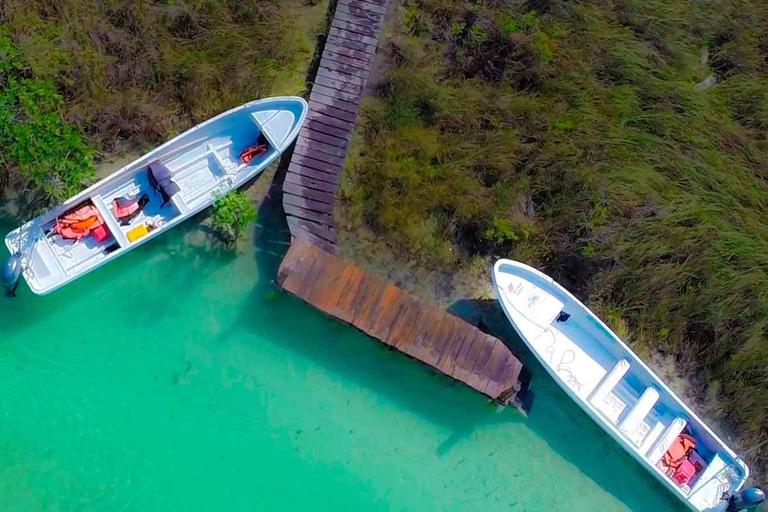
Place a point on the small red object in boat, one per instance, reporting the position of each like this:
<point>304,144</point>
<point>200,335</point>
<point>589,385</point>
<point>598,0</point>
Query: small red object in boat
<point>252,152</point>
<point>684,472</point>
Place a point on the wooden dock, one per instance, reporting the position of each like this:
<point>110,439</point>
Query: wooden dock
<point>398,319</point>
<point>312,178</point>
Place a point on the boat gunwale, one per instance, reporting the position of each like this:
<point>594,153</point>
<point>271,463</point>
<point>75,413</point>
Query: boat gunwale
<point>588,408</point>
<point>56,210</point>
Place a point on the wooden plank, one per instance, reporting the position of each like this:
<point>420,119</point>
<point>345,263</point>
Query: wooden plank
<point>314,292</point>
<point>318,165</point>
<point>338,85</point>
<point>364,5</point>
<point>316,155</point>
<point>334,112</point>
<point>361,65</point>
<point>344,68</point>
<point>310,183</point>
<point>314,240</point>
<point>453,346</point>
<point>426,316</point>
<point>443,338</point>
<point>325,119</point>
<point>290,278</point>
<point>321,147</point>
<point>341,77</point>
<point>345,309</point>
<point>458,371</point>
<point>376,19</point>
<point>323,137</point>
<point>314,228</point>
<point>301,213</point>
<point>366,323</point>
<point>315,195</point>
<point>350,44</point>
<point>362,28</point>
<point>337,94</point>
<point>402,324</point>
<point>330,181</point>
<point>333,131</point>
<point>348,52</point>
<point>495,361</point>
<point>307,204</point>
<point>424,335</point>
<point>330,299</point>
<point>368,294</point>
<point>293,281</point>
<point>369,43</point>
<point>467,363</point>
<point>384,324</point>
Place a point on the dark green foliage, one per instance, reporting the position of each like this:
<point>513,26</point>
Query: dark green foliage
<point>231,215</point>
<point>573,135</point>
<point>40,151</point>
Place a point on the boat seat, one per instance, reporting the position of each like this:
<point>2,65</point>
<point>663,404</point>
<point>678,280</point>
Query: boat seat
<point>633,426</point>
<point>665,441</point>
<point>160,178</point>
<point>609,382</point>
<point>651,437</point>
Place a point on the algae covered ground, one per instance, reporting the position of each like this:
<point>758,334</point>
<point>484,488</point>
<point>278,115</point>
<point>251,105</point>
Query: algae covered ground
<point>620,145</point>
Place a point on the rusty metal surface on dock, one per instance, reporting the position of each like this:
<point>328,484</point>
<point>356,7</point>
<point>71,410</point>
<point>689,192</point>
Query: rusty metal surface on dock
<point>312,178</point>
<point>398,319</point>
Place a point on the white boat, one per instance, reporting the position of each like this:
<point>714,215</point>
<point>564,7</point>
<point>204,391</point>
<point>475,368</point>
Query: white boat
<point>618,391</point>
<point>161,189</point>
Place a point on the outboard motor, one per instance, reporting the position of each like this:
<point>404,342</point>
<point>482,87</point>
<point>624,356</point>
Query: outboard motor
<point>747,499</point>
<point>11,273</point>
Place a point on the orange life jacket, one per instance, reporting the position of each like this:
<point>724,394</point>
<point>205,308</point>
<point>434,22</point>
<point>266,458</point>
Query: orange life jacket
<point>78,224</point>
<point>679,450</point>
<point>252,152</point>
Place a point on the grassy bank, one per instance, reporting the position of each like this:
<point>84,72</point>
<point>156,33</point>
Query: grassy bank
<point>120,75</point>
<point>619,145</point>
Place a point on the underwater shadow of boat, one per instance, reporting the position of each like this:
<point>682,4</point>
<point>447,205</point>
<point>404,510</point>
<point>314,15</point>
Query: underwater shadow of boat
<point>187,244</point>
<point>584,444</point>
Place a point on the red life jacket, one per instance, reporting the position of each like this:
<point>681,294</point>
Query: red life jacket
<point>122,212</point>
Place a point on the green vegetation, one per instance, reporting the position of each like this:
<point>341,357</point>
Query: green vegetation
<point>42,154</point>
<point>231,215</point>
<point>124,75</point>
<point>582,137</point>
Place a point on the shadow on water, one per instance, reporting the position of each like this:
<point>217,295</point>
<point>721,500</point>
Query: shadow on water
<point>431,395</point>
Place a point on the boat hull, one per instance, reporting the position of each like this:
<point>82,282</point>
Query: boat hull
<point>610,383</point>
<point>203,164</point>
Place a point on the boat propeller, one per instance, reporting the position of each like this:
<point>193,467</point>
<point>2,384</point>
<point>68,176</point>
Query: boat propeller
<point>747,499</point>
<point>11,273</point>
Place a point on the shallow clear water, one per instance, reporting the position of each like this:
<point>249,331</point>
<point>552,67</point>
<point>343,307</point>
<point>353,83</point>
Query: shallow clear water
<point>179,378</point>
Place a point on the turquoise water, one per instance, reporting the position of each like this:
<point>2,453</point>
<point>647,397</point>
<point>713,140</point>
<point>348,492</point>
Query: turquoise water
<point>179,378</point>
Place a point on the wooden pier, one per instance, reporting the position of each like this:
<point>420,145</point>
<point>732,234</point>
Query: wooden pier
<point>312,178</point>
<point>398,319</point>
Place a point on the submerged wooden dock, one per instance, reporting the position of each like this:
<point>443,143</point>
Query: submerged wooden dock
<point>312,178</point>
<point>398,319</point>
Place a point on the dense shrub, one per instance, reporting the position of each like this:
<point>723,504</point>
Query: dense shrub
<point>231,215</point>
<point>574,137</point>
<point>41,154</point>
